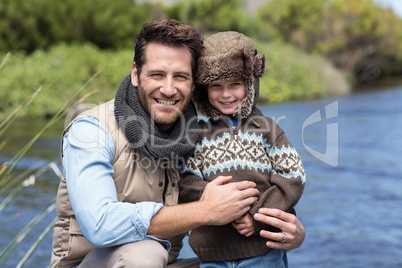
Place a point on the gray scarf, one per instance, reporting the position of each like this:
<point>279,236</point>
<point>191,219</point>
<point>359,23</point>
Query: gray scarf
<point>140,130</point>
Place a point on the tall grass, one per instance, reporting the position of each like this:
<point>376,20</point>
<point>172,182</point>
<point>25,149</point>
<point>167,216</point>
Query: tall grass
<point>6,170</point>
<point>11,185</point>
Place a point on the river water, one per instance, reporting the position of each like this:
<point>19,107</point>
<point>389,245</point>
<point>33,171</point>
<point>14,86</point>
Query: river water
<point>351,148</point>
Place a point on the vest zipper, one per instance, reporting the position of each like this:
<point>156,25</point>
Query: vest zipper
<point>165,187</point>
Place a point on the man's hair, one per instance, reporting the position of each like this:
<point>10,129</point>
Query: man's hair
<point>170,33</point>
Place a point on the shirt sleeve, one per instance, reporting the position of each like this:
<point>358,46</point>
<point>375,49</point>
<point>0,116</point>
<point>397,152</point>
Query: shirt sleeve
<point>88,151</point>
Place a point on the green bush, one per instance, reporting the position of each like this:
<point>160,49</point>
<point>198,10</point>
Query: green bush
<point>294,75</point>
<point>220,15</point>
<point>39,24</point>
<point>64,69</point>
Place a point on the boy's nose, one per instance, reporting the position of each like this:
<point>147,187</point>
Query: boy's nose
<point>226,93</point>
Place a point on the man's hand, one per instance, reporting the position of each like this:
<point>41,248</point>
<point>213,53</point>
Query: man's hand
<point>224,202</point>
<point>289,225</point>
<point>220,204</point>
<point>244,225</point>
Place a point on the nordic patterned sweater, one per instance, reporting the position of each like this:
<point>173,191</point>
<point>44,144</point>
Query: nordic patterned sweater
<point>256,149</point>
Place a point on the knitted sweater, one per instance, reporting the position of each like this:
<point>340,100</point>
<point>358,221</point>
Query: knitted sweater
<point>256,149</point>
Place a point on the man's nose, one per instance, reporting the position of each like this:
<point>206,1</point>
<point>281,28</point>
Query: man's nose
<point>168,88</point>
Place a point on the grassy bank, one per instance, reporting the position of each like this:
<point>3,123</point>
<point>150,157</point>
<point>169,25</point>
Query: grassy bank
<point>64,69</point>
<point>294,75</point>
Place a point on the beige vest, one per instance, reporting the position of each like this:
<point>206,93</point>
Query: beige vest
<point>136,178</point>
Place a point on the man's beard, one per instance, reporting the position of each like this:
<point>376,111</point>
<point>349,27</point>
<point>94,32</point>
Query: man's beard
<point>145,101</point>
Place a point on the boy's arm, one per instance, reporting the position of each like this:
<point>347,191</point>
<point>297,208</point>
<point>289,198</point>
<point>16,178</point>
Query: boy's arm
<point>192,183</point>
<point>287,178</point>
<point>191,187</point>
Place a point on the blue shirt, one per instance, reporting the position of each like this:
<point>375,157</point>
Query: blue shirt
<point>233,122</point>
<point>88,151</point>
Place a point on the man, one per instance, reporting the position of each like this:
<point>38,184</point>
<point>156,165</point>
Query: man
<point>117,202</point>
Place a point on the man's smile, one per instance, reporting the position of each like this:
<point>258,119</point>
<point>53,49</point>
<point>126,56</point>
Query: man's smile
<point>166,102</point>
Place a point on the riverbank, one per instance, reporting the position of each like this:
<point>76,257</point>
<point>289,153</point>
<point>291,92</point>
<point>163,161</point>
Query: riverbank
<point>64,69</point>
<point>384,83</point>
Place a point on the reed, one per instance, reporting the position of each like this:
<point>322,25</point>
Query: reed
<point>13,185</point>
<point>9,167</point>
<point>37,242</point>
<point>15,114</point>
<point>24,232</point>
<point>4,60</point>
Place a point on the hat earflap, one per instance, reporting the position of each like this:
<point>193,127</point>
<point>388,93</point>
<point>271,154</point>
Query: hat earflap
<point>259,65</point>
<point>247,103</point>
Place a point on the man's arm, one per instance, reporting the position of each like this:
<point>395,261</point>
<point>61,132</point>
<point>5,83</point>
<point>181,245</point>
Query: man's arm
<point>88,152</point>
<point>220,204</point>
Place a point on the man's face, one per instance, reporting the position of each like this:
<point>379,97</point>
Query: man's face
<point>165,83</point>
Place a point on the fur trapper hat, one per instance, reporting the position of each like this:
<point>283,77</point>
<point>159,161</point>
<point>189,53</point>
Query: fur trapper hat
<point>226,56</point>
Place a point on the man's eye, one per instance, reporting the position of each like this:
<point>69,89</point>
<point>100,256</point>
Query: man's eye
<point>181,77</point>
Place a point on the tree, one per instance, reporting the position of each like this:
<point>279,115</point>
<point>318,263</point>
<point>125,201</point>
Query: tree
<point>219,15</point>
<point>35,24</point>
<point>357,35</point>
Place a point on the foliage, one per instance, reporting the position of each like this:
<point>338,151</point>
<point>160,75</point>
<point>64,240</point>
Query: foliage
<point>61,72</point>
<point>220,15</point>
<point>36,24</point>
<point>359,36</point>
<point>208,15</point>
<point>294,75</point>
<point>298,21</point>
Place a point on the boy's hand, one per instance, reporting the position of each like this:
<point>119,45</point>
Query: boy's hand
<point>244,225</point>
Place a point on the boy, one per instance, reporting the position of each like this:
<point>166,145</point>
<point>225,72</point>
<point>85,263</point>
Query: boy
<point>239,142</point>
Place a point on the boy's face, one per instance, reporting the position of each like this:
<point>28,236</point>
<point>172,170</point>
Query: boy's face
<point>227,96</point>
